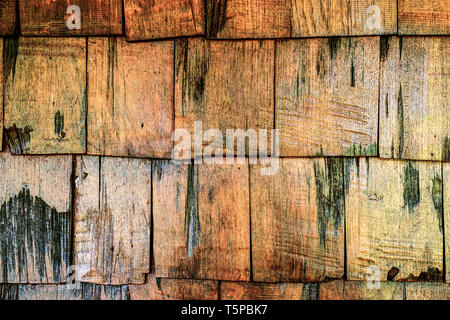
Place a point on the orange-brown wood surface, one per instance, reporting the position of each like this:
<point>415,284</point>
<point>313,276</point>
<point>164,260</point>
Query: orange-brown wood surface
<point>130,98</point>
<point>426,17</point>
<point>57,17</point>
<point>7,17</point>
<point>175,289</point>
<point>112,219</point>
<point>327,96</point>
<point>163,18</point>
<point>394,219</point>
<point>45,95</point>
<point>223,84</point>
<point>201,221</point>
<point>359,290</point>
<point>298,221</point>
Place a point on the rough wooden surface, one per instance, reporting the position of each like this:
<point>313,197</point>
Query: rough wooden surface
<point>112,219</point>
<point>163,18</point>
<point>2,84</point>
<point>175,289</point>
<point>327,96</point>
<point>359,290</point>
<point>7,17</point>
<point>394,219</point>
<point>414,116</point>
<point>427,17</point>
<point>201,227</point>
<point>45,95</point>
<point>35,219</point>
<point>49,17</point>
<point>130,98</point>
<point>224,84</point>
<point>281,291</point>
<point>427,291</point>
<point>297,220</point>
<point>446,206</point>
<point>299,18</point>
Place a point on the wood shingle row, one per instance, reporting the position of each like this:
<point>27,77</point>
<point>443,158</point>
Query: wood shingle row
<point>327,97</point>
<point>224,19</point>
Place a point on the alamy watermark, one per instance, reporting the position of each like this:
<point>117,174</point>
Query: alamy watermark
<point>229,149</point>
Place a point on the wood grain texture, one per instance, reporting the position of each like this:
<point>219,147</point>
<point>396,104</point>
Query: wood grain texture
<point>7,17</point>
<point>228,19</point>
<point>45,95</point>
<point>428,17</point>
<point>298,221</point>
<point>281,291</point>
<point>224,84</point>
<point>445,198</point>
<point>163,19</point>
<point>358,290</point>
<point>130,98</point>
<point>327,96</point>
<point>201,226</point>
<point>2,86</point>
<point>175,289</point>
<point>394,219</point>
<point>427,291</point>
<point>35,219</point>
<point>414,116</point>
<point>112,220</point>
<point>49,17</point>
<point>86,291</point>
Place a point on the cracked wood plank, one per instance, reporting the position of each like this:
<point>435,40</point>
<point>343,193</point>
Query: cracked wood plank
<point>298,221</point>
<point>426,17</point>
<point>45,93</point>
<point>53,17</point>
<point>224,85</point>
<point>414,113</point>
<point>130,94</point>
<point>7,17</point>
<point>175,289</point>
<point>158,19</point>
<point>35,218</point>
<point>112,220</point>
<point>359,290</point>
<point>327,96</point>
<point>394,219</point>
<point>445,198</point>
<point>201,228</point>
<point>229,19</point>
<point>281,291</point>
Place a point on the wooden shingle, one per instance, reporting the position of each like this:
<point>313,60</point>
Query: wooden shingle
<point>130,94</point>
<point>228,19</point>
<point>327,96</point>
<point>426,17</point>
<point>35,219</point>
<point>224,85</point>
<point>7,17</point>
<point>393,219</point>
<point>427,291</point>
<point>281,291</point>
<point>175,289</point>
<point>45,95</point>
<point>445,201</point>
<point>112,220</point>
<point>70,18</point>
<point>2,85</point>
<point>201,221</point>
<point>414,113</point>
<point>163,19</point>
<point>359,290</point>
<point>297,218</point>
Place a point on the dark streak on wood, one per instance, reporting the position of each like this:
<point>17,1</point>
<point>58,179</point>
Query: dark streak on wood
<point>411,187</point>
<point>11,50</point>
<point>192,217</point>
<point>215,17</point>
<point>16,140</point>
<point>436,194</point>
<point>401,124</point>
<point>30,229</point>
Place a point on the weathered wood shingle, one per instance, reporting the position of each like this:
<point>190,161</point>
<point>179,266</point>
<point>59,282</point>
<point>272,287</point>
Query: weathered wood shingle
<point>201,221</point>
<point>35,219</point>
<point>130,98</point>
<point>7,17</point>
<point>45,95</point>
<point>426,17</point>
<point>112,220</point>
